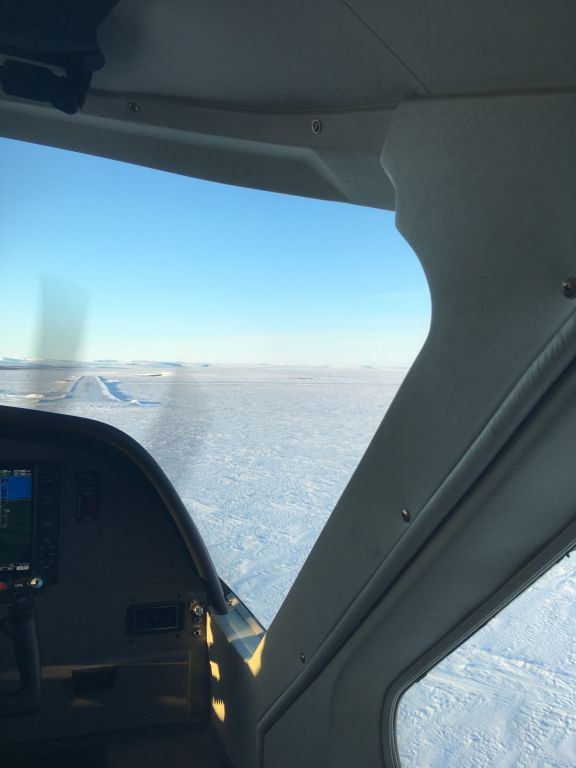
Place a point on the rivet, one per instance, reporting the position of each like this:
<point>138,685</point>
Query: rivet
<point>569,287</point>
<point>196,633</point>
<point>316,125</point>
<point>303,658</point>
<point>133,107</point>
<point>406,516</point>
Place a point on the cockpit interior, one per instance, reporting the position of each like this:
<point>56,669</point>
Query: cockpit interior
<point>120,645</point>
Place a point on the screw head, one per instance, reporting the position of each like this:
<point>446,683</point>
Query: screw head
<point>133,107</point>
<point>406,515</point>
<point>569,287</point>
<point>196,608</point>
<point>316,126</point>
<point>196,633</point>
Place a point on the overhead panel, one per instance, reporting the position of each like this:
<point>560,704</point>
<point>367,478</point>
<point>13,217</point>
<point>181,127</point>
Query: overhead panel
<point>475,46</point>
<point>230,91</point>
<point>264,54</point>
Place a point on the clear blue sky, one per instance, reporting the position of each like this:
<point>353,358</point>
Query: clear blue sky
<point>173,268</point>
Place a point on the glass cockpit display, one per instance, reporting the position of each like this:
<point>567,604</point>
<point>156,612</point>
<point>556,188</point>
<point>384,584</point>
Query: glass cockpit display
<point>16,519</point>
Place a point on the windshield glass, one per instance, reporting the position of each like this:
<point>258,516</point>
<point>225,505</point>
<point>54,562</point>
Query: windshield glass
<point>251,341</point>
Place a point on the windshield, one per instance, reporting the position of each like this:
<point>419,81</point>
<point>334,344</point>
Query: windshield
<point>251,341</point>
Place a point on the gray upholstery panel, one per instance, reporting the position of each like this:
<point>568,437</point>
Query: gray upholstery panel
<point>264,151</point>
<point>265,54</point>
<point>486,193</point>
<point>477,46</point>
<point>525,500</point>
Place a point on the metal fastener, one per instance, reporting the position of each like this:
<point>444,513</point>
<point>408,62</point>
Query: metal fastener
<point>302,658</point>
<point>406,516</point>
<point>197,633</point>
<point>133,107</point>
<point>196,608</point>
<point>569,287</point>
<point>316,125</point>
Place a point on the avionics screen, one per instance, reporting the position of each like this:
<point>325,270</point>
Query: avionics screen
<point>15,519</point>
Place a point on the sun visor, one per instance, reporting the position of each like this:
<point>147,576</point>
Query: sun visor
<point>39,35</point>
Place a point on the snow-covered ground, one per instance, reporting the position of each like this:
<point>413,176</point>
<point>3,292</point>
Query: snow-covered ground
<point>260,456</point>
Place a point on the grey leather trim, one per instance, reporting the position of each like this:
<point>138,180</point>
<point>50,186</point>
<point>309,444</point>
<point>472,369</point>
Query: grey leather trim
<point>536,381</point>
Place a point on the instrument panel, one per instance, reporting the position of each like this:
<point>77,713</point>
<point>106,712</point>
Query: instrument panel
<point>93,536</point>
<point>30,513</point>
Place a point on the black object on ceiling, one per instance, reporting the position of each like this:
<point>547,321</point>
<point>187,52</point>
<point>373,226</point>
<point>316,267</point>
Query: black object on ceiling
<point>58,33</point>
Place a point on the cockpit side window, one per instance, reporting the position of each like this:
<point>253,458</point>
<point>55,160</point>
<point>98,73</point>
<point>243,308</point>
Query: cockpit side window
<point>506,695</point>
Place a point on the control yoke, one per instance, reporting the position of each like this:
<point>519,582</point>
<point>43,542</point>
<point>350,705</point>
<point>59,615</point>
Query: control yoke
<point>20,625</point>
